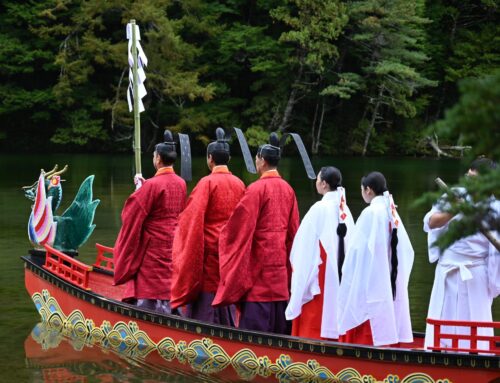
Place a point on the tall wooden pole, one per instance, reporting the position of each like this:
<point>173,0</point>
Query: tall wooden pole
<point>137,118</point>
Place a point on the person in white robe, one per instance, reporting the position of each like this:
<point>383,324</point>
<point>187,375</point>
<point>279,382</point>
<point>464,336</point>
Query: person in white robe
<point>324,232</point>
<point>467,276</point>
<point>373,292</point>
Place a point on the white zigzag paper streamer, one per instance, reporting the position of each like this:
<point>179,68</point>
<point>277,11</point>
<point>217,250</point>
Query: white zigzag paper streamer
<point>141,74</point>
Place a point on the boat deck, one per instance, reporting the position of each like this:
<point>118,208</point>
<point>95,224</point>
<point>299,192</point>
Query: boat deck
<point>102,283</point>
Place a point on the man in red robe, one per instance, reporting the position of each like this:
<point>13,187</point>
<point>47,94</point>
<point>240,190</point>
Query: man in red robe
<point>143,249</point>
<point>195,252</point>
<point>254,247</point>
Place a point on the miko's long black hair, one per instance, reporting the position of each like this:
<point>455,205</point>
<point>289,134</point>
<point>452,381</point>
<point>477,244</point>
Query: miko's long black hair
<point>332,176</point>
<point>376,181</point>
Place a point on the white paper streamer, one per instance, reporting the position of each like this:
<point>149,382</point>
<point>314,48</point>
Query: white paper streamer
<point>142,61</point>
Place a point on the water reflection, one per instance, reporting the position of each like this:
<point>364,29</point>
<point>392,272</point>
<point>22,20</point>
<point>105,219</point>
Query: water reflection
<point>57,355</point>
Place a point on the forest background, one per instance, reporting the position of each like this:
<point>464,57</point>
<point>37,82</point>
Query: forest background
<point>367,77</point>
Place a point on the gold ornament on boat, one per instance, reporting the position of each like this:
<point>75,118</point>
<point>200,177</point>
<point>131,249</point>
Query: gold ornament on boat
<point>203,355</point>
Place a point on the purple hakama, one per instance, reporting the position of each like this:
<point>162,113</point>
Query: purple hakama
<point>201,309</point>
<point>264,316</point>
<point>159,305</point>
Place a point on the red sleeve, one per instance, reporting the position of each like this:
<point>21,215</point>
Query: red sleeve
<point>293,225</point>
<point>131,242</point>
<point>235,248</point>
<point>188,248</point>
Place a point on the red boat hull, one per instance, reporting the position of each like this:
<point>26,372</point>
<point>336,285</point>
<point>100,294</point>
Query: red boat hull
<point>235,353</point>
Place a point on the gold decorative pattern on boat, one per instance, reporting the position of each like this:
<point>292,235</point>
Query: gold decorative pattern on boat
<point>203,355</point>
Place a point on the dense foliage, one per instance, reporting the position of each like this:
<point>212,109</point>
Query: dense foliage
<point>475,120</point>
<point>353,77</point>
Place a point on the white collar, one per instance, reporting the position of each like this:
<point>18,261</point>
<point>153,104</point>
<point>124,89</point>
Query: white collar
<point>379,199</point>
<point>330,196</point>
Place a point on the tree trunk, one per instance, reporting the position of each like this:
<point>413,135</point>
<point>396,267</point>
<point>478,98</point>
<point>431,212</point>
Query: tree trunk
<point>117,99</point>
<point>313,130</point>
<point>317,140</point>
<point>444,87</point>
<point>372,122</point>
<point>285,121</point>
<point>435,145</point>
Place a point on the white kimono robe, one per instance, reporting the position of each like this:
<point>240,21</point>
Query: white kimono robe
<point>319,224</point>
<point>466,281</point>
<point>365,290</point>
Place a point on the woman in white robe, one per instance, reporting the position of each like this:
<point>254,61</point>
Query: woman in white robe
<point>373,296</point>
<point>318,247</point>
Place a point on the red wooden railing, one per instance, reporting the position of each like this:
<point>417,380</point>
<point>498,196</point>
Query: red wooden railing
<point>103,262</point>
<point>473,338</point>
<point>67,268</point>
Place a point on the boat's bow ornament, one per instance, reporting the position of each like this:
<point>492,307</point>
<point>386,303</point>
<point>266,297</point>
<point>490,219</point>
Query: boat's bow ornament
<point>68,231</point>
<point>41,225</point>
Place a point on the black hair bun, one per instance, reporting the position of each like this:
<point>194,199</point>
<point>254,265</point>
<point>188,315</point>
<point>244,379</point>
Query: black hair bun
<point>274,140</point>
<point>168,136</point>
<point>220,134</point>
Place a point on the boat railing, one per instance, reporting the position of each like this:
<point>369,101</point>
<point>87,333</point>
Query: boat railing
<point>473,338</point>
<point>67,268</point>
<point>102,261</point>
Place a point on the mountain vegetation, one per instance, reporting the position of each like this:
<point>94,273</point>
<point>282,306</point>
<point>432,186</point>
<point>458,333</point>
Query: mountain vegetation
<point>359,77</point>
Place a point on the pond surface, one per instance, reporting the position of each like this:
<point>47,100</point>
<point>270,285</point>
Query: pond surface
<point>407,178</point>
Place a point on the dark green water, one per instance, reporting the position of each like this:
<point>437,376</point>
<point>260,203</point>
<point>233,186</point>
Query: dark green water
<point>407,178</point>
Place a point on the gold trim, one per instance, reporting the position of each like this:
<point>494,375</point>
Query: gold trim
<point>203,355</point>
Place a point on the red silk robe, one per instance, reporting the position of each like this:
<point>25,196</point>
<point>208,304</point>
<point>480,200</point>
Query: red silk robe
<point>143,249</point>
<point>195,252</point>
<point>255,244</point>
